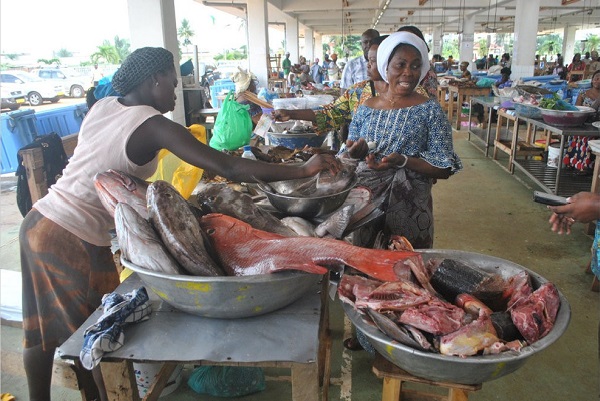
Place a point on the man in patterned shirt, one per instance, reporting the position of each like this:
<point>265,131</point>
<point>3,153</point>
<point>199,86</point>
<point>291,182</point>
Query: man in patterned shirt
<point>356,69</point>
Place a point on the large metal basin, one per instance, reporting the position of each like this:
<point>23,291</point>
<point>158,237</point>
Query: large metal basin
<point>227,297</point>
<point>469,370</point>
<point>307,207</point>
<point>567,118</point>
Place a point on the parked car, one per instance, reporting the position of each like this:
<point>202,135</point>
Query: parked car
<point>35,89</point>
<point>11,99</point>
<point>74,84</point>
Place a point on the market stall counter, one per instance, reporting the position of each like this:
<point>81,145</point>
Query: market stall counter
<point>483,133</point>
<point>463,95</point>
<point>294,337</point>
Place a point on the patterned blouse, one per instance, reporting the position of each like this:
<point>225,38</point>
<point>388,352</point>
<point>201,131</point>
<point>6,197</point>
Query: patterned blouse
<point>419,131</point>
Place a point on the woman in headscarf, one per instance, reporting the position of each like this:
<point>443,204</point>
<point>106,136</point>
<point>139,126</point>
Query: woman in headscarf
<point>403,141</point>
<point>245,81</point>
<point>66,261</point>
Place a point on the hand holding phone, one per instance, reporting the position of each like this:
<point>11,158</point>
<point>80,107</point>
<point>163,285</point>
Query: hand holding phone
<point>549,199</point>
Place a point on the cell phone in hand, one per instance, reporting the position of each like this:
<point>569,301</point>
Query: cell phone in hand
<point>549,199</point>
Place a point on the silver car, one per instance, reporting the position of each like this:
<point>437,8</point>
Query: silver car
<point>74,84</point>
<point>35,89</point>
<point>11,99</point>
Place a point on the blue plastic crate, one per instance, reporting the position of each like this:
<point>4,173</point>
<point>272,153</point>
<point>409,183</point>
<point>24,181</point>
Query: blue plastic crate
<point>64,120</point>
<point>18,130</point>
<point>219,89</point>
<point>561,89</point>
<point>541,78</point>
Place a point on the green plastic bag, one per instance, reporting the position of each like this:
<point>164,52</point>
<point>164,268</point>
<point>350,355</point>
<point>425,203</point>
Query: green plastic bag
<point>233,126</point>
<point>227,381</point>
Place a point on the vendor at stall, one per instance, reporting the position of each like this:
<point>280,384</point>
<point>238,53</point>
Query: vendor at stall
<point>245,81</point>
<point>66,261</point>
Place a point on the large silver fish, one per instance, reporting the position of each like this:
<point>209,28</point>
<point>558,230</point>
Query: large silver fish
<point>140,244</point>
<point>173,219</point>
<point>115,186</point>
<point>221,198</point>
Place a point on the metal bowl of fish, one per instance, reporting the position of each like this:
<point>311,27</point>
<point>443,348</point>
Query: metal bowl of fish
<point>285,197</point>
<point>228,297</point>
<point>466,369</point>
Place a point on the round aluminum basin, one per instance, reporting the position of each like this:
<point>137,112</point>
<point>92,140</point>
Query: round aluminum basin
<point>307,207</point>
<point>567,118</point>
<point>473,369</point>
<point>227,297</point>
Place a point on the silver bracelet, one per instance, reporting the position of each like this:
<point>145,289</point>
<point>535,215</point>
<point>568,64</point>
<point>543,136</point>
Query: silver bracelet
<point>403,164</point>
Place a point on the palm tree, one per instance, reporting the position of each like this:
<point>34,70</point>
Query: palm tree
<point>107,52</point>
<point>593,42</point>
<point>185,32</point>
<point>122,48</point>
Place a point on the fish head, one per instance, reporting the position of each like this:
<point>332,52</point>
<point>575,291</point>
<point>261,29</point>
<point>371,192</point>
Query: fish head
<point>115,186</point>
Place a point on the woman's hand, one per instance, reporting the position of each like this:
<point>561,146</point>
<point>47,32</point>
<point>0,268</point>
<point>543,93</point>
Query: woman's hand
<point>357,149</point>
<point>321,162</point>
<point>387,162</point>
<point>582,207</point>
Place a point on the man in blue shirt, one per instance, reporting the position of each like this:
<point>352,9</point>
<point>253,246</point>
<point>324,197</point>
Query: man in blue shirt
<point>355,70</point>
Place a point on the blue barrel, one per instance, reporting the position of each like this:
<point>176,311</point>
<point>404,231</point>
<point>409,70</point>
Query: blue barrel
<point>18,130</point>
<point>64,120</point>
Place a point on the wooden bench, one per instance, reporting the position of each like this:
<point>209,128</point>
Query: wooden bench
<point>393,378</point>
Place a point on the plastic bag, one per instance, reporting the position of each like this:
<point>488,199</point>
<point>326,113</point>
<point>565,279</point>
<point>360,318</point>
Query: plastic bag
<point>227,381</point>
<point>183,176</point>
<point>233,126</point>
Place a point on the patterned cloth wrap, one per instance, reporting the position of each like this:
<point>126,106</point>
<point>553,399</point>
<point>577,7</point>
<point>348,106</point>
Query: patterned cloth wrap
<point>106,335</point>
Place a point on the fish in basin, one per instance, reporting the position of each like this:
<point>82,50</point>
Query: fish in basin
<point>243,250</point>
<point>177,224</point>
<point>115,186</point>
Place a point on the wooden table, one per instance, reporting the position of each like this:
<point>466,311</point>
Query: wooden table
<point>441,97</point>
<point>299,339</point>
<point>463,95</point>
<point>508,123</point>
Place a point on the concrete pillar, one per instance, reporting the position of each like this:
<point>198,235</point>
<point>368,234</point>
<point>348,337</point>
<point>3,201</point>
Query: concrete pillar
<point>258,36</point>
<point>526,26</point>
<point>309,45</point>
<point>318,50</point>
<point>466,42</point>
<point>568,50</point>
<point>153,23</point>
<point>291,38</point>
<point>438,35</point>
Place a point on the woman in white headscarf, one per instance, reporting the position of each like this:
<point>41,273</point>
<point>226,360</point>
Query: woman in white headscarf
<point>245,81</point>
<point>403,140</point>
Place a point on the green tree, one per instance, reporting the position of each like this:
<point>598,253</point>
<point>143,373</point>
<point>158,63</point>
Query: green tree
<point>483,47</point>
<point>593,42</point>
<point>106,52</point>
<point>122,48</point>
<point>185,32</point>
<point>49,61</point>
<point>549,45</point>
<point>63,53</point>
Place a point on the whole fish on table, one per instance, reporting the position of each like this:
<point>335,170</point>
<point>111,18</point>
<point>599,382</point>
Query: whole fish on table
<point>243,250</point>
<point>115,186</point>
<point>220,198</point>
<point>173,219</point>
<point>140,243</point>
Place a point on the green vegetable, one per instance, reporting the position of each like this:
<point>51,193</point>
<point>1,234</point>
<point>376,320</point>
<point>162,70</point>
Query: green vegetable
<point>550,103</point>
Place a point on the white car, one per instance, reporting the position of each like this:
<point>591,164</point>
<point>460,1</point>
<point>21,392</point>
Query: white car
<point>35,89</point>
<point>11,99</point>
<point>74,84</point>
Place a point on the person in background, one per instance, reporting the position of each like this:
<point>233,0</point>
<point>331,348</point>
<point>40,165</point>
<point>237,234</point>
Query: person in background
<point>286,65</point>
<point>595,62</point>
<point>316,71</point>
<point>559,67</point>
<point>339,113</point>
<point>576,66</point>
<point>66,262</point>
<point>505,60</point>
<point>449,63</point>
<point>583,207</point>
<point>333,71</point>
<point>245,81</point>
<point>305,77</point>
<point>504,81</point>
<point>578,154</point>
<point>326,62</point>
<point>587,58</point>
<point>465,74</point>
<point>355,70</point>
<point>491,61</point>
<point>96,75</point>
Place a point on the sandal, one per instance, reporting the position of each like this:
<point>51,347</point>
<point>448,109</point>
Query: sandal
<point>352,344</point>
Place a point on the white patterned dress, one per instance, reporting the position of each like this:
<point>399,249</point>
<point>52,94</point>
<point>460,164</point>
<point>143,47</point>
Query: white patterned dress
<point>421,131</point>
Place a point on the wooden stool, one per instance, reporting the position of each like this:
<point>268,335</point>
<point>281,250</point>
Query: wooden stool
<point>393,377</point>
